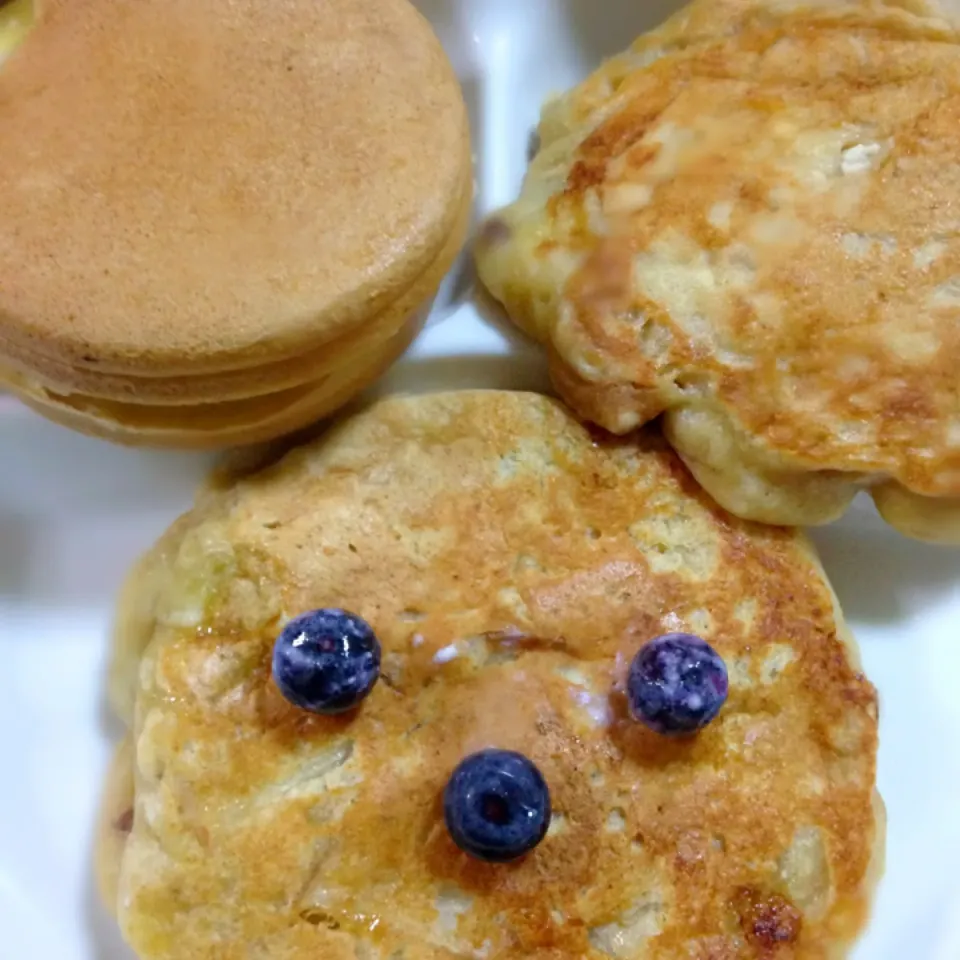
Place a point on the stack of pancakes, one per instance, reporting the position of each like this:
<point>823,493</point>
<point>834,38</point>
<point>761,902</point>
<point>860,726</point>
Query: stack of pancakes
<point>221,221</point>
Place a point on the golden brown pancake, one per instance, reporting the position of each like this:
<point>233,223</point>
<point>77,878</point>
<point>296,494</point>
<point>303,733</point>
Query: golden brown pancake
<point>743,225</point>
<point>213,204</point>
<point>511,563</point>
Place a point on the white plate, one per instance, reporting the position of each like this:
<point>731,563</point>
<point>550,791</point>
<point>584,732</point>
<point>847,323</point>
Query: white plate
<point>74,513</point>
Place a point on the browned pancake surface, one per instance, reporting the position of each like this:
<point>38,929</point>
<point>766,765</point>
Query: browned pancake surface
<point>511,564</point>
<point>207,185</point>
<point>745,224</point>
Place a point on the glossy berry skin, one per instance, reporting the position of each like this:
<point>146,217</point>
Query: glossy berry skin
<point>496,806</point>
<point>326,661</point>
<point>677,684</point>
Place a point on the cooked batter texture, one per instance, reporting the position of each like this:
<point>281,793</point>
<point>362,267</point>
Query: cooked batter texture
<point>511,564</point>
<point>746,225</point>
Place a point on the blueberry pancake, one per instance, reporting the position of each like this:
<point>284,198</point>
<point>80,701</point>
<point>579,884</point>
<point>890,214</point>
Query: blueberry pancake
<point>462,679</point>
<point>744,225</point>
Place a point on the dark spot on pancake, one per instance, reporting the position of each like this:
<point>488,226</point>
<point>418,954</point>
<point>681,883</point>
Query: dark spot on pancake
<point>753,193</point>
<point>768,920</point>
<point>390,682</point>
<point>533,144</point>
<point>494,232</point>
<point>124,823</point>
<point>319,918</point>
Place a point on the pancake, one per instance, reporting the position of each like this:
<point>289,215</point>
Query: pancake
<point>740,225</point>
<point>180,232</point>
<point>349,350</point>
<point>174,422</point>
<point>511,563</point>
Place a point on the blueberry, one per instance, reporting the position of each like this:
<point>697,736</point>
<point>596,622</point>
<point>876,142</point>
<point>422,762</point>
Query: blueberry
<point>496,805</point>
<point>677,684</point>
<point>326,661</point>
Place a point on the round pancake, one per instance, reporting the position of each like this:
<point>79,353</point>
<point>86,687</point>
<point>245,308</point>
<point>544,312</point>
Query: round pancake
<point>251,420</point>
<point>354,349</point>
<point>263,191</point>
<point>741,225</point>
<point>511,563</point>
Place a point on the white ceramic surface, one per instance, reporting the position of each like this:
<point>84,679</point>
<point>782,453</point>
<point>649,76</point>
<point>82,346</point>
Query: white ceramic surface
<point>75,512</point>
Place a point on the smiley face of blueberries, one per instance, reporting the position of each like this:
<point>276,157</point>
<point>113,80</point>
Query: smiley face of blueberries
<point>496,804</point>
<point>326,661</point>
